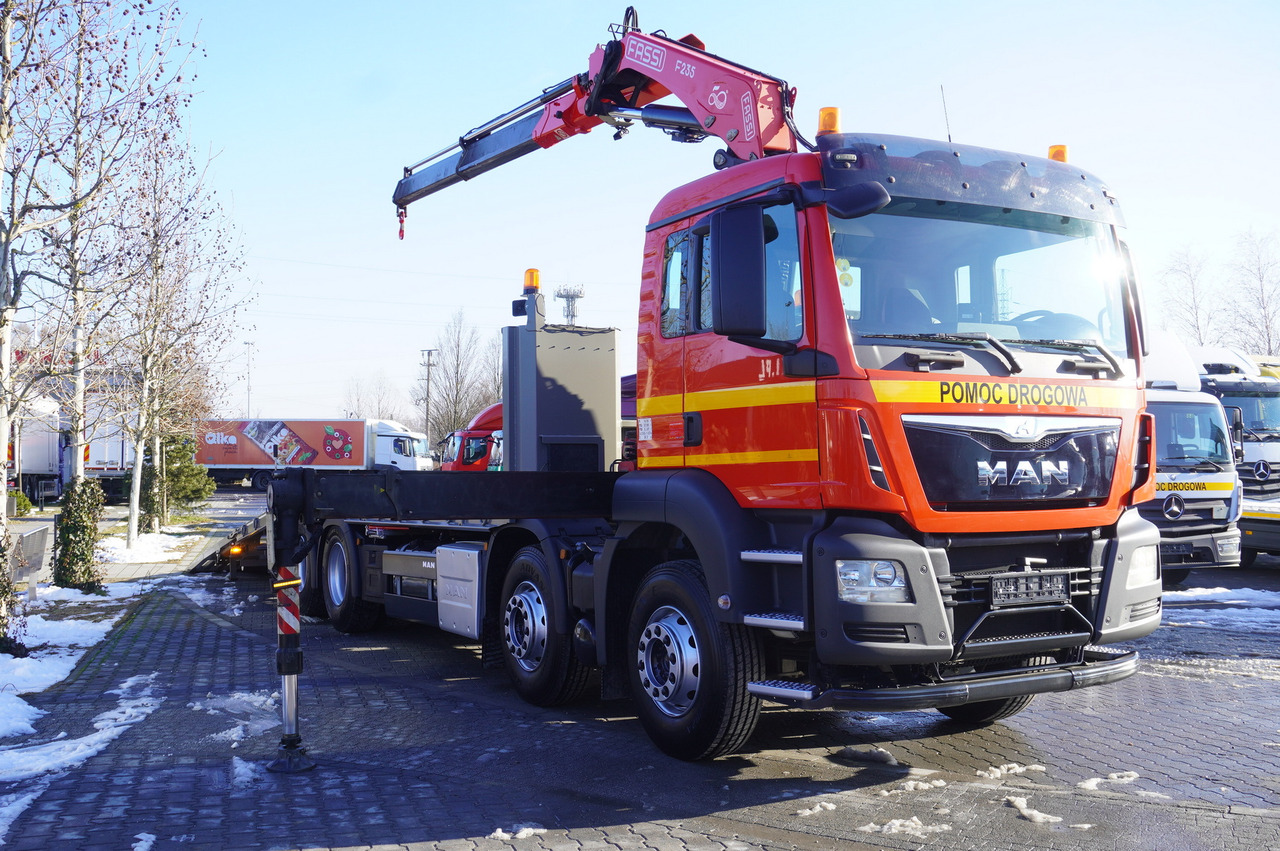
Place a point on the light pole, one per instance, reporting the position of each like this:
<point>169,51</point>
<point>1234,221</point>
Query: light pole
<point>426,397</point>
<point>248,381</point>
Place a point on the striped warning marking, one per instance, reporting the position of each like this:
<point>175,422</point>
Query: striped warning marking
<point>288,614</point>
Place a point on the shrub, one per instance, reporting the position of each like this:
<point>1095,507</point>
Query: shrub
<point>74,559</point>
<point>22,505</point>
<point>12,616</point>
<point>185,483</point>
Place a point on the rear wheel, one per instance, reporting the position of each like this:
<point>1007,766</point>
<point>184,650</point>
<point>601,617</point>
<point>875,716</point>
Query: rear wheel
<point>990,711</point>
<point>690,672</point>
<point>340,573</point>
<point>261,480</point>
<point>539,660</point>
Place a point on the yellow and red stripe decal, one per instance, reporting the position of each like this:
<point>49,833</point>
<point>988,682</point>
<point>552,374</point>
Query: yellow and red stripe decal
<point>764,395</point>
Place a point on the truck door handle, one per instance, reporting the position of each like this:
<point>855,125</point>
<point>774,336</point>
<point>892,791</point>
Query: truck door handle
<point>693,429</point>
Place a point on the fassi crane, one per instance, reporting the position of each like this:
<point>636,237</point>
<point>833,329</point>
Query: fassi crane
<point>749,110</point>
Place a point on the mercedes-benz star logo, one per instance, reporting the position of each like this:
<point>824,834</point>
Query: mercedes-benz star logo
<point>1262,471</point>
<point>1173,506</point>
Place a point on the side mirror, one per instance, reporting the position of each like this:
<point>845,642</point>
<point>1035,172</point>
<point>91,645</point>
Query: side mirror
<point>847,202</point>
<point>1236,416</point>
<point>737,271</point>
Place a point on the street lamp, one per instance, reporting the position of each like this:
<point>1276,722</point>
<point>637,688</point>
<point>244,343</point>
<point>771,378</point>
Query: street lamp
<point>248,381</point>
<point>426,397</point>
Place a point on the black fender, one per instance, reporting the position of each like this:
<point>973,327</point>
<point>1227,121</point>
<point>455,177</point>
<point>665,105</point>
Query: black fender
<point>546,534</point>
<point>702,508</point>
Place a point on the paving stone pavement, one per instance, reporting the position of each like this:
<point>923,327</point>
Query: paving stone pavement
<point>417,747</point>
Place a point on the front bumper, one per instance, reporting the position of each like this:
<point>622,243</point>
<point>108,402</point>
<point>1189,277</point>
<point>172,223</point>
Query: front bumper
<point>1260,525</point>
<point>1098,668</point>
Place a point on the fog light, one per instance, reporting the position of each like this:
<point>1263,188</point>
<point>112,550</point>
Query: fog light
<point>1228,546</point>
<point>1144,567</point>
<point>872,582</point>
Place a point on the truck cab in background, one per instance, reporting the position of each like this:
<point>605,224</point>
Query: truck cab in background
<point>471,448</point>
<point>1238,383</point>
<point>1198,495</point>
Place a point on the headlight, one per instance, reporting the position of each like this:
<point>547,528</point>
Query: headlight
<point>872,582</point>
<point>1144,567</point>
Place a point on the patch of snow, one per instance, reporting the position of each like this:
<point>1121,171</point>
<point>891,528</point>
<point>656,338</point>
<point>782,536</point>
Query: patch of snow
<point>820,807</point>
<point>1092,783</point>
<point>913,786</point>
<point>910,826</point>
<point>875,754</point>
<point>1034,816</point>
<point>147,548</point>
<point>245,773</point>
<point>1007,770</point>
<point>27,762</point>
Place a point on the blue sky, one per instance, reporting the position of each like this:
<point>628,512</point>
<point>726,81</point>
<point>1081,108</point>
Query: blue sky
<point>312,109</point>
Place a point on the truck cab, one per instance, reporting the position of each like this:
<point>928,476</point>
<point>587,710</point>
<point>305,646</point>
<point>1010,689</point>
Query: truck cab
<point>1257,397</point>
<point>471,448</point>
<point>1198,494</point>
<point>398,447</point>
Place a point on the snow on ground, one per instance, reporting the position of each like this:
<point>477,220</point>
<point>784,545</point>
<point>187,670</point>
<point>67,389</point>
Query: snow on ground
<point>57,648</point>
<point>147,549</point>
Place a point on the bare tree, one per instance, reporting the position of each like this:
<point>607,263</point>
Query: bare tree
<point>1256,284</point>
<point>373,397</point>
<point>75,78</point>
<point>1192,304</point>
<point>462,376</point>
<point>182,257</point>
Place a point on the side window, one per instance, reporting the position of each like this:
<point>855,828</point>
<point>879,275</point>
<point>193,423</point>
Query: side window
<point>784,314</point>
<point>674,285</point>
<point>784,311</point>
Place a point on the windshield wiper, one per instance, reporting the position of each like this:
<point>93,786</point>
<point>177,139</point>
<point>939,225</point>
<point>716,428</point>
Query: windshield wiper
<point>964,338</point>
<point>1078,346</point>
<point>1201,461</point>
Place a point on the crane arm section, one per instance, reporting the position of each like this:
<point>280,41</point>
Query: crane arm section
<point>750,111</point>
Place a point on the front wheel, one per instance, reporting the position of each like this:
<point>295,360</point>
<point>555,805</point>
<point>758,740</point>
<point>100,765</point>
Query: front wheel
<point>1173,576</point>
<point>540,661</point>
<point>340,575</point>
<point>690,672</point>
<point>1248,557</point>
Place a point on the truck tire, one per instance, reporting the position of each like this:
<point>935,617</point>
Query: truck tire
<point>689,672</point>
<point>1248,557</point>
<point>1174,576</point>
<point>539,660</point>
<point>261,480</point>
<point>989,711</point>
<point>340,576</point>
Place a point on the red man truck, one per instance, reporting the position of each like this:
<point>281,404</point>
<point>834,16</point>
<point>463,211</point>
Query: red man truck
<point>890,431</point>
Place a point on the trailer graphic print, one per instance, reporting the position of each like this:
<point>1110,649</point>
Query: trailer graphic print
<point>286,443</point>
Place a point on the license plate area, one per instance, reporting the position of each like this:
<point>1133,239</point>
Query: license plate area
<point>1021,589</point>
<point>1175,549</point>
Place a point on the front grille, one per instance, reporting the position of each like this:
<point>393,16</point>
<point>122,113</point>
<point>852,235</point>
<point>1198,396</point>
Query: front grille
<point>976,462</point>
<point>1000,443</point>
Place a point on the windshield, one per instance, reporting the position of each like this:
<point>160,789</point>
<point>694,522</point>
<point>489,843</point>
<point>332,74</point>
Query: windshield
<point>934,267</point>
<point>421,448</point>
<point>1187,434</point>
<point>451,446</point>
<point>1259,411</point>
